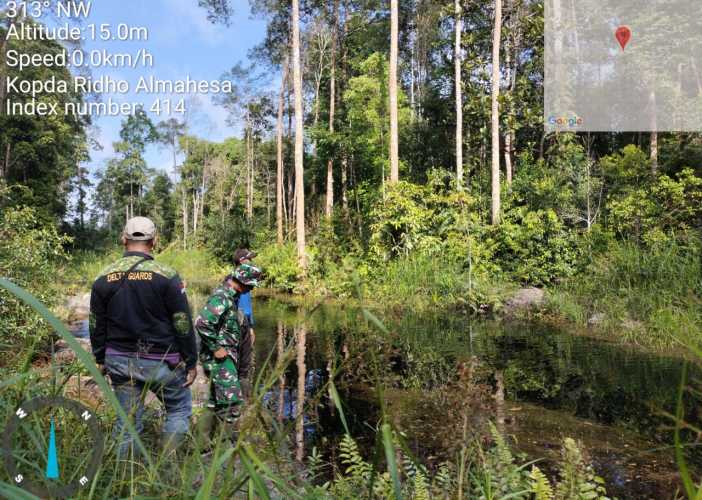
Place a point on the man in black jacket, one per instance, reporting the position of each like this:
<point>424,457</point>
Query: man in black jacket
<point>141,334</point>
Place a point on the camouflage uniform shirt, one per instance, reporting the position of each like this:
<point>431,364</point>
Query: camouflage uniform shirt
<point>221,325</point>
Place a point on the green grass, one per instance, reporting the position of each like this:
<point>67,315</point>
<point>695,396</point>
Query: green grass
<point>197,267</point>
<point>200,270</point>
<point>415,282</point>
<point>646,296</point>
<point>78,274</point>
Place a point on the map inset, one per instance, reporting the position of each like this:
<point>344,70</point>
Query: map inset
<point>623,65</point>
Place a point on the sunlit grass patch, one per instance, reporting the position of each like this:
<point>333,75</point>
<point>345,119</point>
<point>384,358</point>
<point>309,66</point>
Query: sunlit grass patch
<point>647,296</point>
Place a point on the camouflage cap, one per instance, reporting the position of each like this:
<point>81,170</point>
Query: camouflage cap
<point>243,254</point>
<point>247,275</point>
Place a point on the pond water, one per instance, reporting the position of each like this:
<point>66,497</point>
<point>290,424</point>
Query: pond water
<point>539,383</point>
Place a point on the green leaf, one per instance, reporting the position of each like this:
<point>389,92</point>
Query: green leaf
<point>83,356</point>
<point>337,403</point>
<point>258,483</point>
<point>390,457</point>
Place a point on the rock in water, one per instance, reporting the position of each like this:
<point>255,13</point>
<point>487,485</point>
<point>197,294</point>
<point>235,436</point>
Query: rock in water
<point>64,355</point>
<point>78,306</point>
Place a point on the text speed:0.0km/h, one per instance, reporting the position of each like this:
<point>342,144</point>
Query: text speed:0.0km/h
<point>101,58</point>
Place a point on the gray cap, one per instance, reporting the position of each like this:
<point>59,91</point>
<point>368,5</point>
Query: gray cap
<point>139,229</point>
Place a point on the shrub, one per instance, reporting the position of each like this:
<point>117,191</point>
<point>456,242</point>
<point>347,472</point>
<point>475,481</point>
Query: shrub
<point>535,247</point>
<point>428,219</point>
<point>280,265</point>
<point>658,212</point>
<point>29,251</point>
<point>225,234</point>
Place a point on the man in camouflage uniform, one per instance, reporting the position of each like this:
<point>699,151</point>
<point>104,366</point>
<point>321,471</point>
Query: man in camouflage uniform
<point>226,342</point>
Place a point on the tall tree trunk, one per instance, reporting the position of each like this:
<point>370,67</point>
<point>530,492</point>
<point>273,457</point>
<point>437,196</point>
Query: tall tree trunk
<point>344,183</point>
<point>288,154</point>
<point>318,84</point>
<point>654,152</point>
<point>249,170</point>
<point>413,101</point>
<point>299,140</point>
<point>512,69</point>
<point>184,205</point>
<point>252,176</point>
<point>496,37</point>
<point>329,206</point>
<point>268,196</point>
<point>203,186</point>
<point>508,65</point>
<point>279,201</point>
<point>654,133</point>
<point>394,126</point>
<point>344,78</point>
<point>458,81</point>
<point>195,212</point>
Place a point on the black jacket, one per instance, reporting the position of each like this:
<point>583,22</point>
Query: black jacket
<point>146,312</point>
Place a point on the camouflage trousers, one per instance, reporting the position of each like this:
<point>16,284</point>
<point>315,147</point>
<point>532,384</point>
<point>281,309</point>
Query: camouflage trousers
<point>226,396</point>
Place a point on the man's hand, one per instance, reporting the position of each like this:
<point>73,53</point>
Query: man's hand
<point>190,377</point>
<point>221,353</point>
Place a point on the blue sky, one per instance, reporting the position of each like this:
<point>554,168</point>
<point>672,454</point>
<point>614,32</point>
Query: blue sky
<point>182,41</point>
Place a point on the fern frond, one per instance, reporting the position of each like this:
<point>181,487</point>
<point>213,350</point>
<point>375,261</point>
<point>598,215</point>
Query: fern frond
<point>421,488</point>
<point>351,457</point>
<point>504,454</point>
<point>540,485</point>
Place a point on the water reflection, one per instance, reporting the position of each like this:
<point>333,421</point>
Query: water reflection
<point>585,377</point>
<point>290,402</point>
<point>543,383</point>
<point>300,346</point>
<point>500,401</point>
<point>280,344</point>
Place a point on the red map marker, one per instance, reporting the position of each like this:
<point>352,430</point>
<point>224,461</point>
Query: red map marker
<point>623,35</point>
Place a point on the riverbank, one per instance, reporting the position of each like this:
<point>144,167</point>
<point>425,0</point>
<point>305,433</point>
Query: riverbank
<point>648,296</point>
<point>653,304</point>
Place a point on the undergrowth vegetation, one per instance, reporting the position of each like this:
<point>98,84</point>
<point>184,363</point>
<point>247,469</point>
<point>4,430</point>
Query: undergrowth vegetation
<point>479,471</point>
<point>650,295</point>
<point>30,250</point>
<point>257,464</point>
